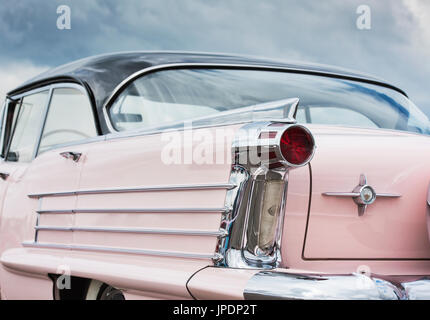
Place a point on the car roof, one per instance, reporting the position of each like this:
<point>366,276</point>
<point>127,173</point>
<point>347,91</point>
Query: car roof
<point>101,75</point>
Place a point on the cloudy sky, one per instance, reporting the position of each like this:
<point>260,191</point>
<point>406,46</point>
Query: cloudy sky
<point>396,48</point>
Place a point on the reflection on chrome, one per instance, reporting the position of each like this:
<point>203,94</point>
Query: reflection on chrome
<point>287,286</point>
<point>418,290</point>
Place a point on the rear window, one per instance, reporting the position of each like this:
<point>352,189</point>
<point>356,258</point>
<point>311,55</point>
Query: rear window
<point>165,99</point>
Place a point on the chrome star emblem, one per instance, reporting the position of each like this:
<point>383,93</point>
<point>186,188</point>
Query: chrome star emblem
<point>363,195</point>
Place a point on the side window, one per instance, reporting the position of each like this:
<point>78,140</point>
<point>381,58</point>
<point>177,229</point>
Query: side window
<point>70,118</point>
<point>340,116</point>
<point>27,120</point>
<point>333,116</point>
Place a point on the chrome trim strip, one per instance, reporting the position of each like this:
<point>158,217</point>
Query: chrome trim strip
<point>3,113</point>
<point>227,186</point>
<point>36,234</point>
<point>356,194</point>
<point>42,125</point>
<point>175,128</point>
<point>31,92</point>
<point>146,132</point>
<point>388,195</point>
<point>58,85</point>
<point>239,176</point>
<point>158,210</point>
<point>220,233</point>
<point>341,194</point>
<point>120,250</point>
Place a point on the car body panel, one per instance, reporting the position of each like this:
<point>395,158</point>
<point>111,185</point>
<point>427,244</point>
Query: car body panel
<point>118,157</point>
<point>219,283</point>
<point>121,215</point>
<point>151,277</point>
<point>391,228</point>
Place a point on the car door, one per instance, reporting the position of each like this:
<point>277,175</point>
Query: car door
<point>6,168</point>
<point>45,151</point>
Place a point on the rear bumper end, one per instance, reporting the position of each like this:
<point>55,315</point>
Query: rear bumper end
<point>288,286</point>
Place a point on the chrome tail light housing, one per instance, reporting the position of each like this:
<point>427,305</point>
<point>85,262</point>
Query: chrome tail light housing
<point>263,154</point>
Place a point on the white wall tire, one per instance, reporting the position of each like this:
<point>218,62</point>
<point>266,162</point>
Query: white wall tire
<point>98,290</point>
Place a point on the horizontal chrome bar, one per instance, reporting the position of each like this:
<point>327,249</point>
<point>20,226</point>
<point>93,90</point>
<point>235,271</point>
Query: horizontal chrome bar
<point>220,233</point>
<point>388,195</point>
<point>157,210</point>
<point>196,187</point>
<point>356,194</point>
<point>341,194</point>
<point>120,250</point>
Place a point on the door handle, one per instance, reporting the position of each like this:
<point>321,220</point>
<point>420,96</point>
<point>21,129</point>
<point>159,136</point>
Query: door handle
<point>4,175</point>
<point>75,156</point>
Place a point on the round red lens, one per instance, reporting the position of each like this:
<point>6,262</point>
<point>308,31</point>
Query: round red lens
<point>297,145</point>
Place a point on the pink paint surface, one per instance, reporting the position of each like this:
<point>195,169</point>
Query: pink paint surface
<point>391,238</point>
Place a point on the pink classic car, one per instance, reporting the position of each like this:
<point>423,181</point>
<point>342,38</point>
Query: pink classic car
<point>166,175</point>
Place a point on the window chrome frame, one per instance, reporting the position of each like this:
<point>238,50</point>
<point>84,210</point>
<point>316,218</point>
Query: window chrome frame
<point>51,88</point>
<point>3,121</point>
<point>235,66</point>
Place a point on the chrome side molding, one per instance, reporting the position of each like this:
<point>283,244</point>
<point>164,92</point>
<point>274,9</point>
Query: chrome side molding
<point>196,187</point>
<point>219,233</point>
<point>172,254</point>
<point>139,210</point>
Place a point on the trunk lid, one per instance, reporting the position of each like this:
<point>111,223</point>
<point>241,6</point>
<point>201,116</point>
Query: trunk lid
<point>390,228</point>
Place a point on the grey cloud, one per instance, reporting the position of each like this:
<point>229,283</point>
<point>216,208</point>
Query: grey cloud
<point>318,31</point>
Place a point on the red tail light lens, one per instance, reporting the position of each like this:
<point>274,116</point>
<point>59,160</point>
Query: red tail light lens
<point>297,145</point>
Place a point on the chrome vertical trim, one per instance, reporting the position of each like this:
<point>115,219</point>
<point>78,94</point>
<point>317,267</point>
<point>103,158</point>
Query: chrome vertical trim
<point>42,126</point>
<point>239,177</point>
<point>36,234</point>
<point>3,122</point>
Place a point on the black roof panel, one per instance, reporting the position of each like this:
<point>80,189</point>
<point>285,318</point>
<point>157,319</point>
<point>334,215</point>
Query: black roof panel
<point>103,73</point>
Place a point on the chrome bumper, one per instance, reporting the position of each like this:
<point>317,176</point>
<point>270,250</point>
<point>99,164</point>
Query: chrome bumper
<point>287,286</point>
